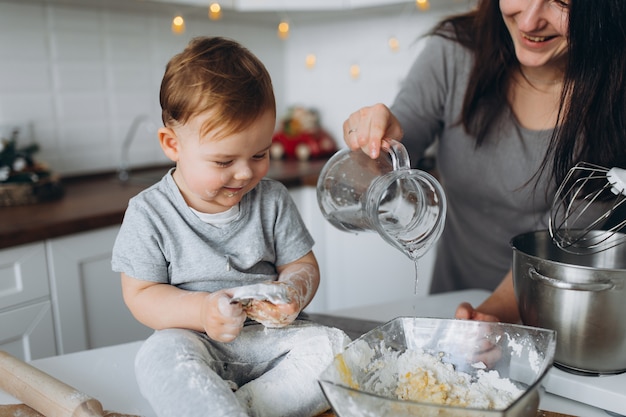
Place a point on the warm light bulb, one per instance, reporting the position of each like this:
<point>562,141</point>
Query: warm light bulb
<point>283,30</point>
<point>178,25</point>
<point>310,60</point>
<point>355,71</point>
<point>215,11</point>
<point>422,4</point>
<point>394,43</point>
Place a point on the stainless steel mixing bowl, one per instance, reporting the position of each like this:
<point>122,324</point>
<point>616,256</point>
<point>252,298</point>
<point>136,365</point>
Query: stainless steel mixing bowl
<point>355,387</point>
<point>582,297</point>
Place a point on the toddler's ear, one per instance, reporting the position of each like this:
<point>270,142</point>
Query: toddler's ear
<point>169,143</point>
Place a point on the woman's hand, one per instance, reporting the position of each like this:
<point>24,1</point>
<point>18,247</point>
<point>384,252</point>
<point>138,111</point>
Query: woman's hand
<point>501,305</point>
<point>466,311</point>
<point>366,128</point>
<point>221,319</point>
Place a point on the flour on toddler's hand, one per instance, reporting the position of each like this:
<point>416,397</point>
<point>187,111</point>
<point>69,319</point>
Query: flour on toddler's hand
<point>225,307</point>
<point>275,294</point>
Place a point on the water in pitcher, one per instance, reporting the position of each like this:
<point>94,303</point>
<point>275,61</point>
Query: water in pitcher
<point>406,207</point>
<point>349,219</point>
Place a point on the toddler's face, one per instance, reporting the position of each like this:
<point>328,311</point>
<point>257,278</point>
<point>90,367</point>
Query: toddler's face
<point>214,174</point>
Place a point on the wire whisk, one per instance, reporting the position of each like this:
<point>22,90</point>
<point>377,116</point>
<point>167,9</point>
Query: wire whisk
<point>589,209</point>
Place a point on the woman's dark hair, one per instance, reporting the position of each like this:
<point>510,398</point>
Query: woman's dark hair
<point>592,114</point>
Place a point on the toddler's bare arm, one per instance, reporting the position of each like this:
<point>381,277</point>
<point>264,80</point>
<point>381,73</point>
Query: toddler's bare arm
<point>163,306</point>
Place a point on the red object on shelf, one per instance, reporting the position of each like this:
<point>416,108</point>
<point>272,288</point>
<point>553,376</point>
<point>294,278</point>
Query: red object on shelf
<point>304,146</point>
<point>301,136</point>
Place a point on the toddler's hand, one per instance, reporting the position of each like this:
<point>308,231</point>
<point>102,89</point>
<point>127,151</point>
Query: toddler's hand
<point>222,321</point>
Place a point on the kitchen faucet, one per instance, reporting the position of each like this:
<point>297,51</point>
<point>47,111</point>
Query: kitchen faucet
<point>123,172</point>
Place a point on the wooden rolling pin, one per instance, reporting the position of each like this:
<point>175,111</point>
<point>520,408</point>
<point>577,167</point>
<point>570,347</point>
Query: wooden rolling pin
<point>44,393</point>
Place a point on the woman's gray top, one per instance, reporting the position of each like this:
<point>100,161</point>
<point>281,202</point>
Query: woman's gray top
<point>491,192</point>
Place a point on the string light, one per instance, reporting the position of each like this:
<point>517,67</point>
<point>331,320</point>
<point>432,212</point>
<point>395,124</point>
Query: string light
<point>310,61</point>
<point>355,71</point>
<point>178,25</point>
<point>215,11</point>
<point>422,4</point>
<point>283,29</point>
<point>394,44</point>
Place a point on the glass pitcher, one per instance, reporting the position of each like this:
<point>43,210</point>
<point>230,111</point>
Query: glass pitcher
<point>407,207</point>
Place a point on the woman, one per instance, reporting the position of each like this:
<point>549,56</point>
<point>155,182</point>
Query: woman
<point>516,92</point>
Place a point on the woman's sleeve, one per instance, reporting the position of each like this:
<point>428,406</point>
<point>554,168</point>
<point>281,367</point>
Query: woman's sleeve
<point>420,104</point>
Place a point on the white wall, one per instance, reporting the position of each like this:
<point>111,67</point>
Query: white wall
<point>339,44</point>
<point>80,75</point>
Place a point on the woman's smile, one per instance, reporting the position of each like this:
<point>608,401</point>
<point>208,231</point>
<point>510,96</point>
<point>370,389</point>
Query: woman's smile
<point>536,38</point>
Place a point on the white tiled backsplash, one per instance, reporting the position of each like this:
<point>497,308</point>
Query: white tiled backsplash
<point>80,75</point>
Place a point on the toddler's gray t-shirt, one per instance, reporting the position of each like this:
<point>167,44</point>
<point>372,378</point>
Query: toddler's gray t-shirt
<point>162,240</point>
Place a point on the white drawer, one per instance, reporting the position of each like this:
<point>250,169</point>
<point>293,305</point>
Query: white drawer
<point>23,274</point>
<point>27,332</point>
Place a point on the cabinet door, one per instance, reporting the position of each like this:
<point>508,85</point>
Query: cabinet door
<point>87,295</point>
<point>27,332</point>
<point>23,275</point>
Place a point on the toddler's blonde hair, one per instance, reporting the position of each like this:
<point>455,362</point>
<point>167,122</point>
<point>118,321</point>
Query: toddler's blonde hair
<point>219,76</point>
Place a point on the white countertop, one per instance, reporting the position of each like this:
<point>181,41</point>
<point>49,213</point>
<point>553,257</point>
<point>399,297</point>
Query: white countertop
<point>437,306</point>
<point>107,374</point>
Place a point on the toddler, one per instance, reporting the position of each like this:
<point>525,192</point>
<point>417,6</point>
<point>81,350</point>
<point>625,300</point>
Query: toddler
<point>216,258</point>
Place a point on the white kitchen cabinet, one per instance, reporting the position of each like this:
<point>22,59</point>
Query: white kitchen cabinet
<point>86,294</point>
<point>26,329</point>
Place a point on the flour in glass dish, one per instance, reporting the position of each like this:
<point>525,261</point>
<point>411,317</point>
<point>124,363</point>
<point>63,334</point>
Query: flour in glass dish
<point>423,377</point>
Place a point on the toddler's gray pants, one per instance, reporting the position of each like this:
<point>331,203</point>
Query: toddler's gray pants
<point>264,372</point>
